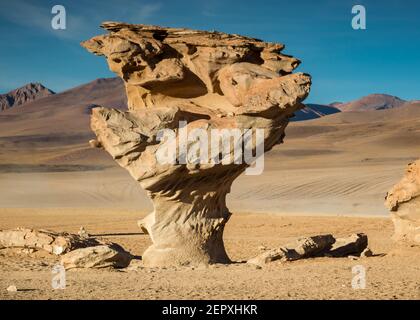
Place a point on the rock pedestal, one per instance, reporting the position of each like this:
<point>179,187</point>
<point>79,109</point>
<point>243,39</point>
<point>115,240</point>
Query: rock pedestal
<point>182,80</point>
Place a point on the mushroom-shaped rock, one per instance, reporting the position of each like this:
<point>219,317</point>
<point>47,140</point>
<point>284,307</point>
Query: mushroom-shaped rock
<point>403,200</point>
<point>184,86</point>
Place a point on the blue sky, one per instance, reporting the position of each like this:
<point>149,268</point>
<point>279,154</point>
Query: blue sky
<point>345,64</point>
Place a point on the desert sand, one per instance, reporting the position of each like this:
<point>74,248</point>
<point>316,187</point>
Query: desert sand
<point>391,274</point>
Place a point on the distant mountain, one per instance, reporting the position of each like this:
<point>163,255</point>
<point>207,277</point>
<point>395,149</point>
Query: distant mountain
<point>314,111</point>
<point>23,95</point>
<point>371,102</point>
<point>57,126</point>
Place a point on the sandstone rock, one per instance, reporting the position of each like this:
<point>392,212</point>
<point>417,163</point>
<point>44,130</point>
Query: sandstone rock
<point>52,242</point>
<point>302,248</point>
<point>404,203</point>
<point>352,245</point>
<point>210,80</point>
<point>97,257</point>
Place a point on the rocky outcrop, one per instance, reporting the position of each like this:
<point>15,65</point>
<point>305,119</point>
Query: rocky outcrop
<point>302,248</point>
<point>97,257</point>
<point>404,203</point>
<point>52,242</point>
<point>20,96</point>
<point>183,80</point>
<point>316,246</point>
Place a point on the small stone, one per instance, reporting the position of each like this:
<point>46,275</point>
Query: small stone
<point>366,253</point>
<point>95,143</point>
<point>262,248</point>
<point>83,233</point>
<point>12,289</point>
<point>353,257</point>
<point>27,250</point>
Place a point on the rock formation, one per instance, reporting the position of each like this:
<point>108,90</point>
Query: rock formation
<point>404,203</point>
<point>101,256</point>
<point>203,80</point>
<point>77,251</point>
<point>301,248</point>
<point>52,242</point>
<point>315,246</point>
<point>20,96</point>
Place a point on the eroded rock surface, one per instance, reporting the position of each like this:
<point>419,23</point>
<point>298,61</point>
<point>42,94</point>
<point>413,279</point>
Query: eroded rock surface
<point>403,200</point>
<point>355,244</point>
<point>52,242</point>
<point>110,255</point>
<point>302,248</point>
<point>210,80</point>
<point>316,246</point>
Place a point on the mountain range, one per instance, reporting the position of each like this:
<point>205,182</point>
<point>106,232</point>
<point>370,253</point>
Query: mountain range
<point>335,158</point>
<point>110,92</point>
<point>23,95</point>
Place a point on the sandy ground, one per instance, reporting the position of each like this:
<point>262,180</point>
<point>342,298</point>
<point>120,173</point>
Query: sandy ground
<point>340,165</point>
<point>393,273</point>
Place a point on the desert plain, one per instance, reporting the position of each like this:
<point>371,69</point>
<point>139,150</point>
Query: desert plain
<point>330,176</point>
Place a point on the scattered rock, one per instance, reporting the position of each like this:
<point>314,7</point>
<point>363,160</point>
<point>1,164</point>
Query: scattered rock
<point>97,257</point>
<point>142,224</point>
<point>262,248</point>
<point>352,245</point>
<point>173,75</point>
<point>135,265</point>
<point>95,143</point>
<point>302,248</point>
<point>12,289</point>
<point>27,250</point>
<point>366,253</point>
<point>310,246</point>
<point>324,245</point>
<point>52,242</point>
<point>83,233</point>
<point>403,200</point>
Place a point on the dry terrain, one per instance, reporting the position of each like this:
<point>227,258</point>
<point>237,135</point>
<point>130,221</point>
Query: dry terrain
<point>330,176</point>
<point>393,273</point>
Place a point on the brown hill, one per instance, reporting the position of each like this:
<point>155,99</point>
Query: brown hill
<point>55,125</point>
<point>371,102</point>
<point>23,95</point>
